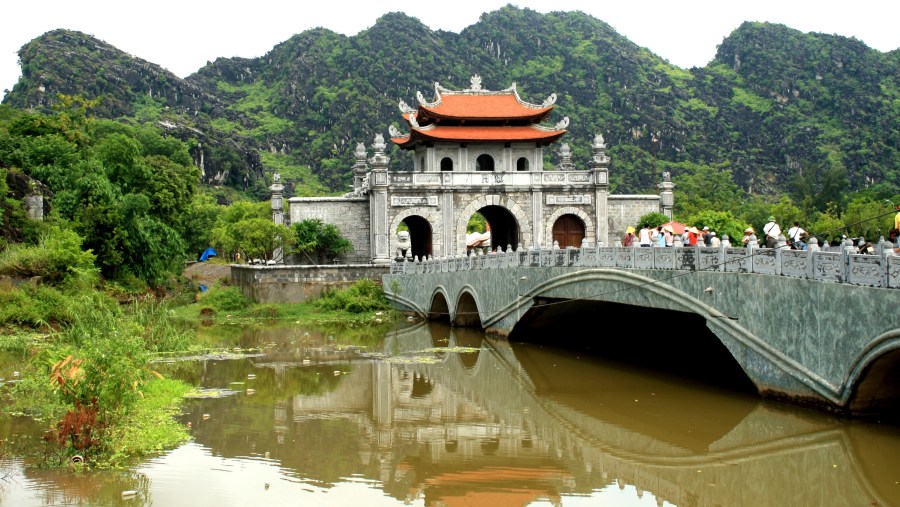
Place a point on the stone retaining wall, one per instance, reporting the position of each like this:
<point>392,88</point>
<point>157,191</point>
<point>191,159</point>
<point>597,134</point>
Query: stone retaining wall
<point>295,284</point>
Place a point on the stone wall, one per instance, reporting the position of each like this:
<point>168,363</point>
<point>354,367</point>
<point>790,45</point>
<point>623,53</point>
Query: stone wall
<point>349,215</point>
<point>295,284</point>
<point>625,210</point>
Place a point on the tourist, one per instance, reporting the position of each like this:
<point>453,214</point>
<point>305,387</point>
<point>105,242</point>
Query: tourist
<point>748,234</point>
<point>772,230</point>
<point>669,235</point>
<point>628,240</point>
<point>693,234</point>
<point>660,237</point>
<point>714,240</point>
<point>894,233</point>
<point>645,238</point>
<point>796,235</point>
<point>707,237</point>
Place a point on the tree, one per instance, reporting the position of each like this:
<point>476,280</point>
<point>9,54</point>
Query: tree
<point>258,238</point>
<point>722,222</point>
<point>320,240</point>
<point>705,187</point>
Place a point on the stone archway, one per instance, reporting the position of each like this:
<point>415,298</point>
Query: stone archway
<point>590,233</point>
<point>517,212</point>
<point>425,238</point>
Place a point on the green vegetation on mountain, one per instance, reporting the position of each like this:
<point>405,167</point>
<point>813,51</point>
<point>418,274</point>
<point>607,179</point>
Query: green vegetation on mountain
<point>782,110</point>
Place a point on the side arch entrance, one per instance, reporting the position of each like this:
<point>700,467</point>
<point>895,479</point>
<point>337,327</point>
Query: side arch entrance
<point>568,230</point>
<point>419,236</point>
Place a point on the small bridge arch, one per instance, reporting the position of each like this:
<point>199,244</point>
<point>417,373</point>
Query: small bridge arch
<point>466,313</point>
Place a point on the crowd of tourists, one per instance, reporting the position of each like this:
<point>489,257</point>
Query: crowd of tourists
<point>665,235</point>
<point>796,238</point>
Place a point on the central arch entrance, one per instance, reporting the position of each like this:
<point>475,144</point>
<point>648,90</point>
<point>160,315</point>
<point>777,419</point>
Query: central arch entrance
<point>502,225</point>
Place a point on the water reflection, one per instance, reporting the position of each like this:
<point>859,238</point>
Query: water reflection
<point>440,416</point>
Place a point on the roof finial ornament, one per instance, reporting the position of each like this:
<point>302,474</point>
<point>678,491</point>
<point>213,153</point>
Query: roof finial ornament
<point>394,131</point>
<point>549,101</point>
<point>404,107</point>
<point>561,124</point>
<point>475,83</point>
<point>412,121</point>
<point>379,145</point>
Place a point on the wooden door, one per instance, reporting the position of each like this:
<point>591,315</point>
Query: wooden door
<point>568,231</point>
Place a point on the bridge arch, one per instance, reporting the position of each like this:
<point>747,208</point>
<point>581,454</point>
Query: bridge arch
<point>440,308</point>
<point>873,386</point>
<point>494,203</point>
<point>589,229</point>
<point>467,312</point>
<point>424,238</point>
<point>583,285</point>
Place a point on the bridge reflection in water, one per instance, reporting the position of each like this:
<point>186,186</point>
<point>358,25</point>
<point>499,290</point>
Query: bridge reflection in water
<point>488,422</point>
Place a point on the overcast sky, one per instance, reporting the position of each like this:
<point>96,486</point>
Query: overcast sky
<point>183,35</point>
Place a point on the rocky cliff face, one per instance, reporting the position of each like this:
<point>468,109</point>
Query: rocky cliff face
<point>773,102</point>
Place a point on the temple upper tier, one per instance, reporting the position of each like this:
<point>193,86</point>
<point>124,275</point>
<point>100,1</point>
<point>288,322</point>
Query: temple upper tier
<point>477,115</point>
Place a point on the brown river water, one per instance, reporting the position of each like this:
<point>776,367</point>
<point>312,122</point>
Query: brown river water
<point>445,417</point>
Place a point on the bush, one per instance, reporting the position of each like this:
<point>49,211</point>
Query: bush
<point>226,299</point>
<point>363,296</point>
<point>56,258</point>
<point>34,306</point>
<point>652,219</point>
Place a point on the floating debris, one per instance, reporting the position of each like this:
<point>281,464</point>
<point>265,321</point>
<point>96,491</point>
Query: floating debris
<point>251,392</point>
<point>205,417</point>
<point>215,356</point>
<point>452,350</point>
<point>414,360</point>
<point>129,494</point>
<point>251,376</point>
<point>210,393</point>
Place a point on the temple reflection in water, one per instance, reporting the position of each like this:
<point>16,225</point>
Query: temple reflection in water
<point>441,416</point>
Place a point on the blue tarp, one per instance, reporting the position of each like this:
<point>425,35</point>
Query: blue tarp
<point>209,252</point>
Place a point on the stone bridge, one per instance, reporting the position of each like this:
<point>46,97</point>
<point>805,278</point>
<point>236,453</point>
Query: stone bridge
<point>817,328</point>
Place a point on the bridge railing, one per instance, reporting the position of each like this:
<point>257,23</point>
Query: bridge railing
<point>842,265</point>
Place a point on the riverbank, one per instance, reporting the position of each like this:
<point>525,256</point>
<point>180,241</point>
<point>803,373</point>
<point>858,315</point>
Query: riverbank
<point>85,365</point>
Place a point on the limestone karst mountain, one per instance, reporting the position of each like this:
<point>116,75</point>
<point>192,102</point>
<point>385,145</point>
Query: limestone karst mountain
<point>773,106</point>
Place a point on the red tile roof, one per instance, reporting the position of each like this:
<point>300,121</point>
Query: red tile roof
<point>465,134</point>
<point>486,107</point>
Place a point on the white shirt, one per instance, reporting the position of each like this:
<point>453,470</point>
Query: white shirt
<point>796,233</point>
<point>771,229</point>
<point>645,237</point>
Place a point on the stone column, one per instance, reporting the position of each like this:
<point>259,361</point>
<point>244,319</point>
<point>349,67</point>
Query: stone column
<point>378,204</point>
<point>565,159</point>
<point>666,195</point>
<point>600,168</point>
<point>360,168</point>
<point>277,190</point>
